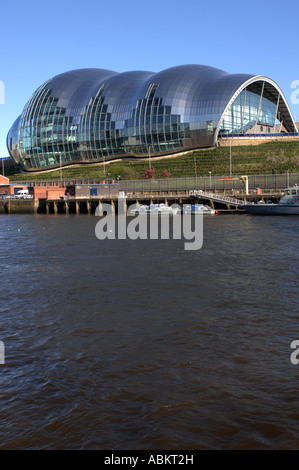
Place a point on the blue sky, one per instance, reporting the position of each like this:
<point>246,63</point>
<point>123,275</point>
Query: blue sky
<point>42,39</point>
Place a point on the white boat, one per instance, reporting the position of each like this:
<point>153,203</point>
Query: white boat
<point>141,209</point>
<point>154,209</point>
<point>287,205</point>
<point>198,209</point>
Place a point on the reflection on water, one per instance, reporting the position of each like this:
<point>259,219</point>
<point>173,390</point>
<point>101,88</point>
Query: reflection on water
<point>122,344</point>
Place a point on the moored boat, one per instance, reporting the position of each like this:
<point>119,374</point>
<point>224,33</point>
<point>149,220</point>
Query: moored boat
<point>198,209</point>
<point>155,209</point>
<point>287,205</point>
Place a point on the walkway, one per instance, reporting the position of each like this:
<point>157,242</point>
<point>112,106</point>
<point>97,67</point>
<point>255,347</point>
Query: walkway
<point>230,201</point>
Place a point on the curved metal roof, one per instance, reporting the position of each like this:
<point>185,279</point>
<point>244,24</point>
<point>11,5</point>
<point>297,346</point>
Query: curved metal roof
<point>198,92</point>
<point>200,89</point>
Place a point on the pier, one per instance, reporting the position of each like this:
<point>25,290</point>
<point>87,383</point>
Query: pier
<point>224,194</point>
<point>121,202</point>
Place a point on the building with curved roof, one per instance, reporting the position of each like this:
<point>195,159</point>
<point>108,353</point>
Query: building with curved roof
<point>93,115</point>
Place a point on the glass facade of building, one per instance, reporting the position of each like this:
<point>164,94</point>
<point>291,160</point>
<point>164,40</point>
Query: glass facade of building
<point>95,114</point>
<point>253,107</point>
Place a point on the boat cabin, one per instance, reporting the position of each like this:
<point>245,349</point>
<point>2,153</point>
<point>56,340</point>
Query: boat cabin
<point>293,191</point>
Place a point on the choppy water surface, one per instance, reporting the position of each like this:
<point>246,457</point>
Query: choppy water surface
<point>142,345</point>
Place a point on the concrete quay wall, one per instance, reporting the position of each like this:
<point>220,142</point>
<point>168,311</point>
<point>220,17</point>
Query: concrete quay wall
<point>18,206</point>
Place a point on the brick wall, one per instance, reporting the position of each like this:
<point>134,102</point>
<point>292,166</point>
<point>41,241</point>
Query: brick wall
<point>4,180</point>
<point>47,192</point>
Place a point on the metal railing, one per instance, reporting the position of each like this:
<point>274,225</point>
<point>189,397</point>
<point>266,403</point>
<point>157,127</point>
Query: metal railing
<point>210,183</point>
<point>14,196</point>
<point>219,198</point>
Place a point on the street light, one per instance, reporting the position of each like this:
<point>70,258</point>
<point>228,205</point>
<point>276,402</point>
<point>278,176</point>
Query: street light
<point>149,156</point>
<point>104,163</point>
<point>210,180</point>
<point>60,166</point>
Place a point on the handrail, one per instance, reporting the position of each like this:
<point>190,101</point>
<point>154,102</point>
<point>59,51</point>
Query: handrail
<point>219,198</point>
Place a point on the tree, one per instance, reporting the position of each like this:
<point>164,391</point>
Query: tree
<point>149,173</point>
<point>166,173</point>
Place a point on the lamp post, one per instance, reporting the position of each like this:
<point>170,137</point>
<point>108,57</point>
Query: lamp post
<point>149,156</point>
<point>60,167</point>
<point>210,180</point>
<point>104,163</point>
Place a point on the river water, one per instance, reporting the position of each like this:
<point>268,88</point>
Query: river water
<point>140,344</point>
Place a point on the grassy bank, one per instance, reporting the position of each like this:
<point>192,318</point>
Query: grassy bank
<point>272,157</point>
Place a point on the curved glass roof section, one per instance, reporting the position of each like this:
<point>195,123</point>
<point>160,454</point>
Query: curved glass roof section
<point>96,114</point>
<point>259,106</point>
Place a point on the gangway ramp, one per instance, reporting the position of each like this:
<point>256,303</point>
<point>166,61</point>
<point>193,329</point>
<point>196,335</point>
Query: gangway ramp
<point>214,197</point>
